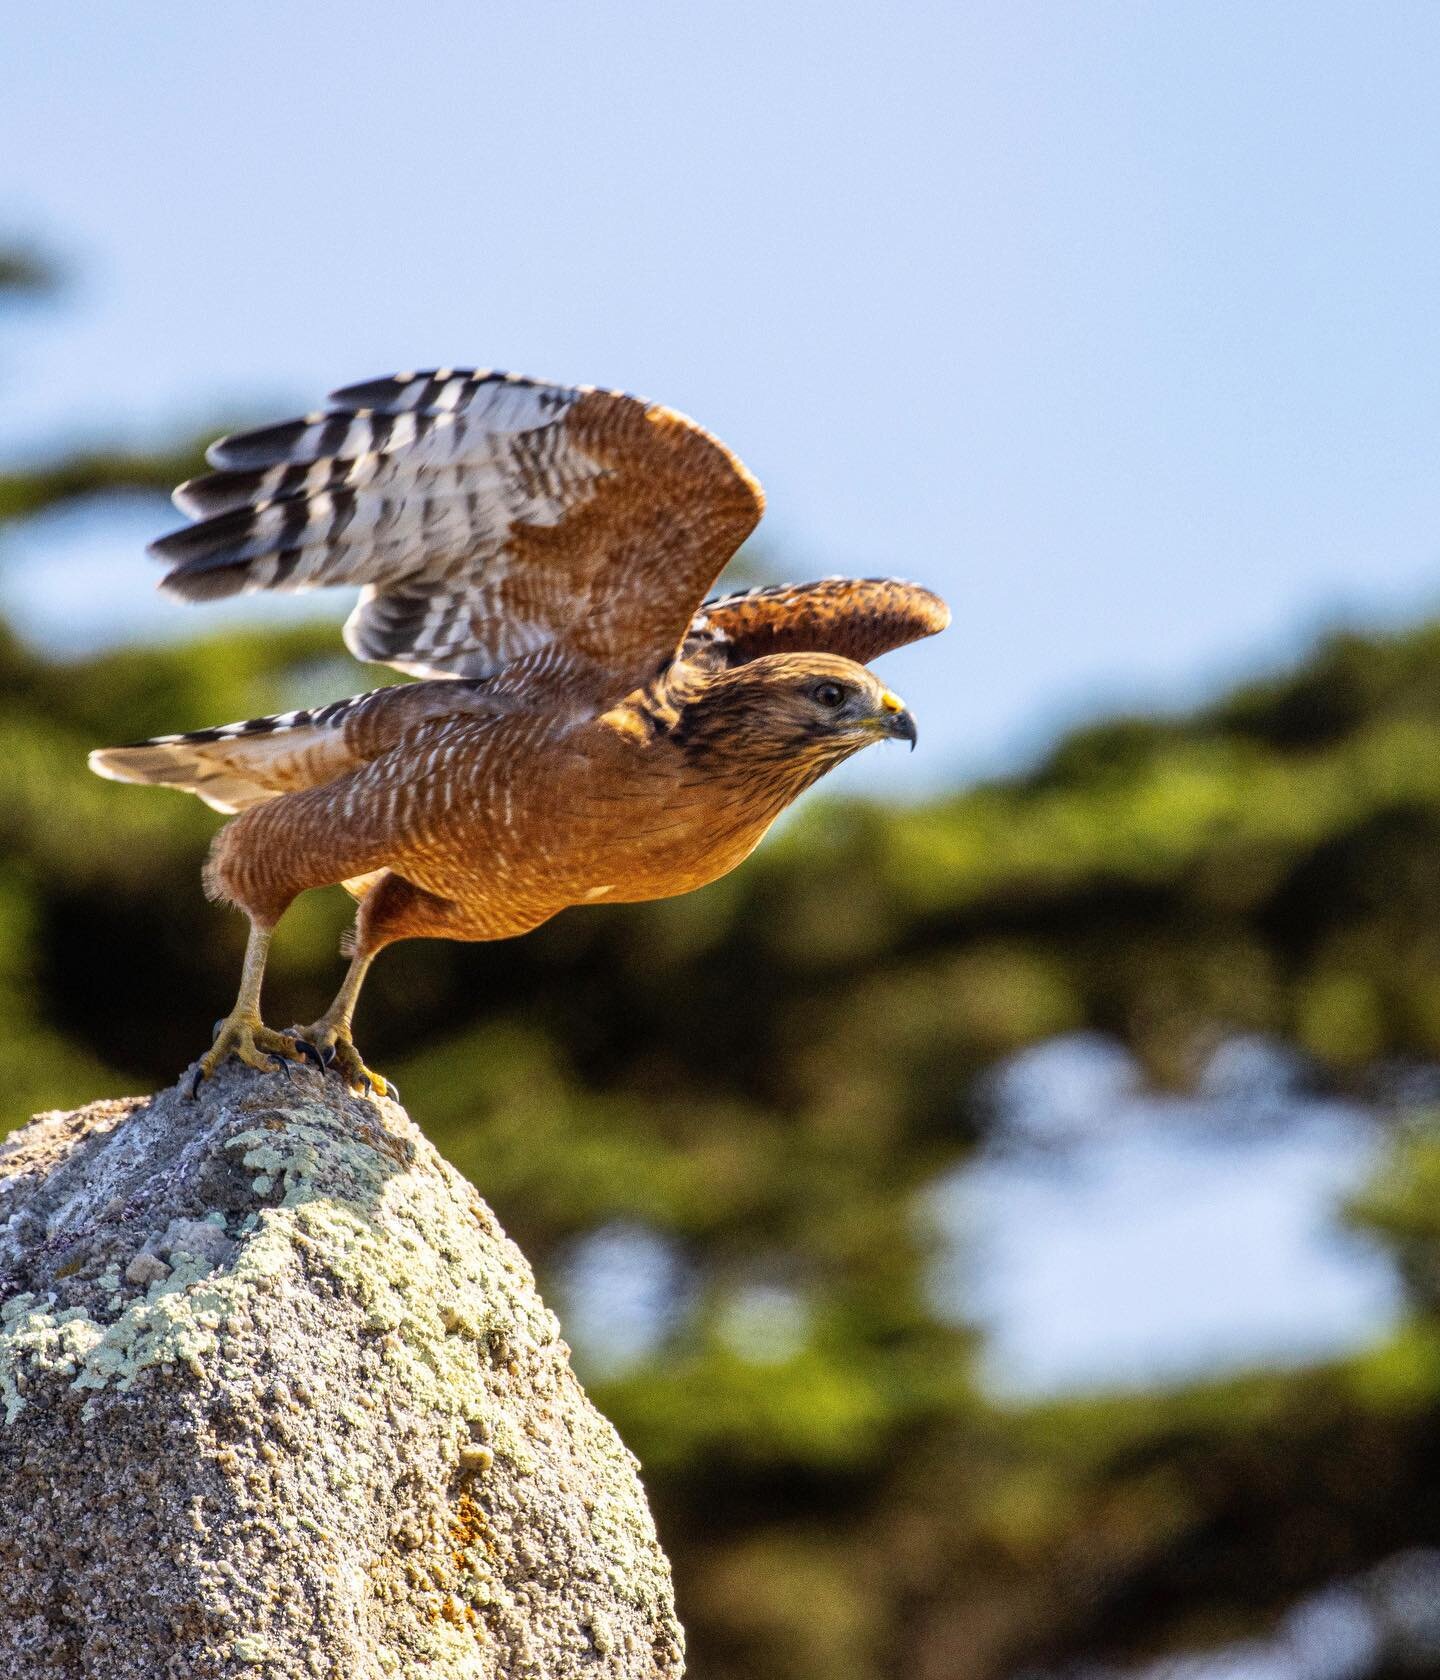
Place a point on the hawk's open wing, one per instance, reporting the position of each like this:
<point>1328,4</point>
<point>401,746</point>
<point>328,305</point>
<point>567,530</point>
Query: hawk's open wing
<point>859,618</point>
<point>487,517</point>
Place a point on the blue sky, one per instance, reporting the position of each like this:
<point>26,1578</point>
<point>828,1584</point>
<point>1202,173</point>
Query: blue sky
<point>1116,322</point>
<point>1109,1236</point>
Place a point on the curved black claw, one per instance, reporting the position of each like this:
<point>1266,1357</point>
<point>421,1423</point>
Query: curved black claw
<point>193,1093</point>
<point>392,1090</point>
<point>215,1030</point>
<point>311,1054</point>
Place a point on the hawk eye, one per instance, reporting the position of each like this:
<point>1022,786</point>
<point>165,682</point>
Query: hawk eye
<point>828,694</point>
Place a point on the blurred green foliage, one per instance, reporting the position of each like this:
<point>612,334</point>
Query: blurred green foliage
<point>773,1087</point>
<point>96,472</point>
<point>25,270</point>
<point>770,1077</point>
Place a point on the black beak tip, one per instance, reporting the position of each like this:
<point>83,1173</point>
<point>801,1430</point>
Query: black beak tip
<point>902,727</point>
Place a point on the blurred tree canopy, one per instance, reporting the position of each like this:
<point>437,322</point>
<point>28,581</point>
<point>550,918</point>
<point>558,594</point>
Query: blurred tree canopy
<point>766,1080</point>
<point>26,272</point>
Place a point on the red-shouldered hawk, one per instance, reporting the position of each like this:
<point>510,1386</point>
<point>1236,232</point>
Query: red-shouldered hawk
<point>585,731</point>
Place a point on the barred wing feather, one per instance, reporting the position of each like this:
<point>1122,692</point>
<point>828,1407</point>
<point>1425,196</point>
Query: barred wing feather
<point>858,618</point>
<point>488,519</point>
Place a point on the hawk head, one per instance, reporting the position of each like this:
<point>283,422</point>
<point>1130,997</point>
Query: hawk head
<point>797,714</point>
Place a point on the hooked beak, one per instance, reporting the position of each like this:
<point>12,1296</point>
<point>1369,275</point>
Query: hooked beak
<point>897,722</point>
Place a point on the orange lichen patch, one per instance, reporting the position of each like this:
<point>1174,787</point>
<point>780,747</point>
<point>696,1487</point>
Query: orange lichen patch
<point>467,1555</point>
<point>470,1532</point>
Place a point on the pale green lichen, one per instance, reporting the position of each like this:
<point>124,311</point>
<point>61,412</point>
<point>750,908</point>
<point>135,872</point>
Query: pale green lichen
<point>340,1210</point>
<point>41,1342</point>
<point>509,1443</point>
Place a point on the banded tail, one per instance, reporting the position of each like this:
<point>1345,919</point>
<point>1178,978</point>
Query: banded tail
<point>237,765</point>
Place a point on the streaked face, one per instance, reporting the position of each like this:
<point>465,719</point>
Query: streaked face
<point>813,706</point>
<point>854,709</point>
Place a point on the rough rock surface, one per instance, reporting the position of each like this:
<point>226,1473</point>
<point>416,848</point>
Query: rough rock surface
<point>279,1398</point>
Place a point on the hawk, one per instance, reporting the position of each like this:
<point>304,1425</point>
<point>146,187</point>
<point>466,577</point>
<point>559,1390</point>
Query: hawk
<point>584,729</point>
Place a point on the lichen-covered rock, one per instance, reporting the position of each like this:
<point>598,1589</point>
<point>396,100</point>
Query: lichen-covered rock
<point>279,1398</point>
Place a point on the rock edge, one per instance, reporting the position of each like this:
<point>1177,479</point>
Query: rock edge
<point>279,1398</point>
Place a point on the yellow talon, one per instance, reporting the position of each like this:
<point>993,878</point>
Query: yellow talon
<point>358,1076</point>
<point>335,1048</point>
<point>250,1041</point>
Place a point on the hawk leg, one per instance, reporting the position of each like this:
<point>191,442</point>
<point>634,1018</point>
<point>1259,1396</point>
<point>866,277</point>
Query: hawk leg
<point>392,909</point>
<point>330,1037</point>
<point>242,1033</point>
